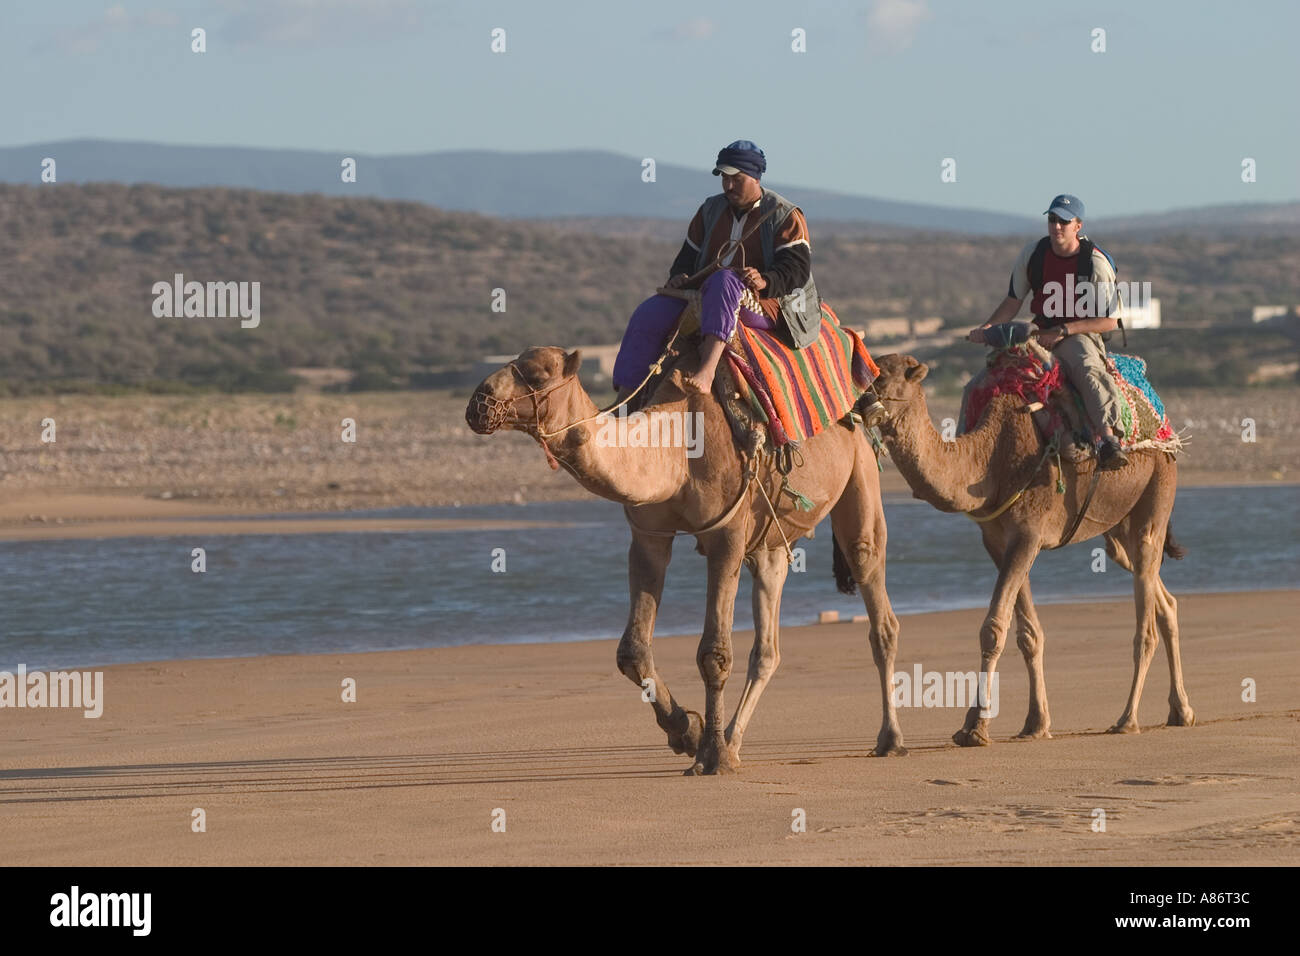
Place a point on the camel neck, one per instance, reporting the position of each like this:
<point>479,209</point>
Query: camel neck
<point>950,475</point>
<point>622,458</point>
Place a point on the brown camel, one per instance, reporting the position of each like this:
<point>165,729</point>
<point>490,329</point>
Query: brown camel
<point>664,491</point>
<point>980,471</point>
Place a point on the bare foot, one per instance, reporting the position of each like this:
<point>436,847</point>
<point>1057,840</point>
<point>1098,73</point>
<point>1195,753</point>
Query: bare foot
<point>710,353</point>
<point>701,381</point>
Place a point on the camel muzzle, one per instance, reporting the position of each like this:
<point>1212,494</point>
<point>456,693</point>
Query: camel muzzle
<point>485,413</point>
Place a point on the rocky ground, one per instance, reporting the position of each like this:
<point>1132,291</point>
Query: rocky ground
<point>273,453</point>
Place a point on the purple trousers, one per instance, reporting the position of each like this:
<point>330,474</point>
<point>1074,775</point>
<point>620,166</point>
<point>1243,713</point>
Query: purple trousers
<point>653,321</point>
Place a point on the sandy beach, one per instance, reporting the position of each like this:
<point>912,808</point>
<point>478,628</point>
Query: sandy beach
<point>437,740</point>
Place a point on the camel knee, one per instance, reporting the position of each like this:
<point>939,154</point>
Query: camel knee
<point>993,638</point>
<point>865,558</point>
<point>714,662</point>
<point>1029,641</point>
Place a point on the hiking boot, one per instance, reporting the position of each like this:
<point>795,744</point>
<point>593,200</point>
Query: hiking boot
<point>1110,457</point>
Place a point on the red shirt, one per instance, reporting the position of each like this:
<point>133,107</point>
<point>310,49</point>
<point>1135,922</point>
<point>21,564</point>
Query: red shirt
<point>1055,269</point>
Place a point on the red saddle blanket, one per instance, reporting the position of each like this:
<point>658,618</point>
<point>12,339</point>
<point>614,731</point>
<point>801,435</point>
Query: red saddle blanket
<point>1028,372</point>
<point>801,391</point>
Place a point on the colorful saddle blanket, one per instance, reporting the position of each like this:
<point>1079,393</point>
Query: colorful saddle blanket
<point>1028,372</point>
<point>800,391</point>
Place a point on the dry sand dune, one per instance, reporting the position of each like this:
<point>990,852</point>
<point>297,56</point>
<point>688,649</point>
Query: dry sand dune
<point>411,773</point>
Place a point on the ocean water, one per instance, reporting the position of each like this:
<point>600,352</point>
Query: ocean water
<point>81,603</point>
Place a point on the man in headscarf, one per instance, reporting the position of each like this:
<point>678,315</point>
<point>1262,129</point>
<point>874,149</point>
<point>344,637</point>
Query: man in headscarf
<point>764,279</point>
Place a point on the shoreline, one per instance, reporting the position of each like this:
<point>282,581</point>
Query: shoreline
<point>856,620</point>
<point>558,741</point>
<point>80,514</point>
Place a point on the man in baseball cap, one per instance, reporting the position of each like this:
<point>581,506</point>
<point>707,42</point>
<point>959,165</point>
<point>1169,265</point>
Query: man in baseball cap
<point>1071,329</point>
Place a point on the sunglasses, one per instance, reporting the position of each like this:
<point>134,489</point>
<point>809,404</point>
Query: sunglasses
<point>1056,220</point>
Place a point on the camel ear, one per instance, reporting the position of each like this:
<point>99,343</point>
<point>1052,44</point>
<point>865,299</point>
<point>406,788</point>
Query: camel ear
<point>572,362</point>
<point>915,373</point>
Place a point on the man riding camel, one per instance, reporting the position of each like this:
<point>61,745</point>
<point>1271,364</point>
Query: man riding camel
<point>759,242</point>
<point>1071,329</point>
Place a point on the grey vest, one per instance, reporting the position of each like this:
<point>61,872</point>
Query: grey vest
<point>801,309</point>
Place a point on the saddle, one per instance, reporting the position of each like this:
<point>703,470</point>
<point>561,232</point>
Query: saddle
<point>748,424</point>
<point>775,395</point>
<point>1029,371</point>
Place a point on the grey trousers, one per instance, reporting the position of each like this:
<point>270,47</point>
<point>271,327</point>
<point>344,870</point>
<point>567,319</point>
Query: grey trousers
<point>1083,357</point>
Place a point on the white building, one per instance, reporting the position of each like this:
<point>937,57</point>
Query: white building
<point>1262,313</point>
<point>1143,316</point>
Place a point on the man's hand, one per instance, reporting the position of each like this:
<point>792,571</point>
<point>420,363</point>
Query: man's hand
<point>677,281</point>
<point>977,335</point>
<point>1049,337</point>
<point>754,280</point>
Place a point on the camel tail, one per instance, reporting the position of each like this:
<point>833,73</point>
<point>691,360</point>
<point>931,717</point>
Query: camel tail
<point>843,576</point>
<point>1172,547</point>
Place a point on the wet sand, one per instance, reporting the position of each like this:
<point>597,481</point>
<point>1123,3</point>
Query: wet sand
<point>553,735</point>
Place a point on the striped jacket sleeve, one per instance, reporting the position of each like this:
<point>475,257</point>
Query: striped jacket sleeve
<point>685,261</point>
<point>792,257</point>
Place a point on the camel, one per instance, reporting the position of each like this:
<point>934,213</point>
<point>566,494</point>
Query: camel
<point>664,492</point>
<point>982,470</point>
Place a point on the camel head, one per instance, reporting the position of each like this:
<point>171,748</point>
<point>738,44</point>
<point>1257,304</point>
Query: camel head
<point>517,395</point>
<point>899,382</point>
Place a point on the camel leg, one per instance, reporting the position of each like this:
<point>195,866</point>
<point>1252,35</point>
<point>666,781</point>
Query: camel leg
<point>647,563</point>
<point>1144,548</point>
<point>1013,574</point>
<point>1030,639</point>
<point>858,520</point>
<point>1180,710</point>
<point>724,553</point>
<point>769,578</point>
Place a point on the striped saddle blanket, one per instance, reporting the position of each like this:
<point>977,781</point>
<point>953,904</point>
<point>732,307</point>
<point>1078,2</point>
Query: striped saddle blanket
<point>800,392</point>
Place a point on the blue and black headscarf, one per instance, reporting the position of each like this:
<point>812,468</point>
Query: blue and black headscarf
<point>742,156</point>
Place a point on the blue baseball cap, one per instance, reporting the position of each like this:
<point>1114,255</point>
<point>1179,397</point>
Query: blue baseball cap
<point>1067,207</point>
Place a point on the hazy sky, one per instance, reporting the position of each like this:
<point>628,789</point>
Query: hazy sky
<point>885,92</point>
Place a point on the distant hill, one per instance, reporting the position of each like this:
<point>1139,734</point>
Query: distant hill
<point>1239,219</point>
<point>509,185</point>
<point>400,292</point>
<point>574,185</point>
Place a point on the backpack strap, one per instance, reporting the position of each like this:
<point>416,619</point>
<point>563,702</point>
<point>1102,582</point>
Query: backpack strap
<point>1036,264</point>
<point>1083,264</point>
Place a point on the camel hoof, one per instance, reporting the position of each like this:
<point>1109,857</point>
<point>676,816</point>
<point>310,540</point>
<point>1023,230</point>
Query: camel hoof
<point>1128,728</point>
<point>971,738</point>
<point>1029,733</point>
<point>1177,719</point>
<point>889,746</point>
<point>688,742</point>
<point>897,750</point>
<point>721,768</point>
